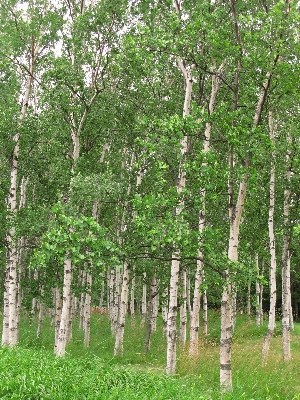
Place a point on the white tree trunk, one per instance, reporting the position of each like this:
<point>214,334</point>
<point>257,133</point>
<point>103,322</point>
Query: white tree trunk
<point>172,312</point>
<point>235,215</point>
<point>205,314</point>
<point>102,293</point>
<point>249,299</point>
<point>10,332</point>
<point>164,312</point>
<point>41,314</point>
<point>116,301</point>
<point>122,313</point>
<point>194,325</point>
<point>257,293</point>
<point>271,324</point>
<point>188,295</point>
<point>144,300</point>
<point>132,299</point>
<point>183,309</point>
<point>83,276</point>
<point>155,300</point>
<point>286,272</point>
<point>87,311</point>
<point>60,347</point>
<point>199,275</point>
<point>58,310</point>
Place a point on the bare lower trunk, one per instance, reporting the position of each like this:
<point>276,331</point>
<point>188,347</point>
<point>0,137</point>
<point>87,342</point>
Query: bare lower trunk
<point>5,324</point>
<point>257,293</point>
<point>155,301</point>
<point>172,314</point>
<point>249,299</point>
<point>286,302</point>
<point>205,316</point>
<point>188,295</point>
<point>118,350</point>
<point>194,328</point>
<point>63,334</point>
<point>102,292</point>
<point>183,311</point>
<point>132,300</point>
<point>164,311</point>
<point>41,315</point>
<point>83,276</point>
<point>144,300</point>
<point>58,311</point>
<point>229,293</point>
<point>87,311</point>
<point>40,319</point>
<point>226,339</point>
<point>116,302</point>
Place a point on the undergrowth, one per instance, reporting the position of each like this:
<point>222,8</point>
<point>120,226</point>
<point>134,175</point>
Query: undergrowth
<point>30,371</point>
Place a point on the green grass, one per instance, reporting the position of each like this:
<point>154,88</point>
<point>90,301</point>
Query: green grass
<point>30,371</point>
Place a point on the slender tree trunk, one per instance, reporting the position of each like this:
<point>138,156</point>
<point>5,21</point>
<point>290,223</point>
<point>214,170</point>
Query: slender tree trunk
<point>116,301</point>
<point>172,312</point>
<point>58,311</point>
<point>21,250</point>
<point>271,325</point>
<point>199,275</point>
<point>60,347</point>
<point>249,299</point>
<point>286,273</point>
<point>164,312</point>
<point>41,314</point>
<point>257,293</point>
<point>138,296</point>
<point>155,301</point>
<point>102,292</point>
<point>10,319</point>
<point>227,323</point>
<point>194,325</point>
<point>144,300</point>
<point>87,311</point>
<point>183,311</point>
<point>122,313</point>
<point>205,314</point>
<point>188,295</point>
<point>132,299</point>
<point>83,276</point>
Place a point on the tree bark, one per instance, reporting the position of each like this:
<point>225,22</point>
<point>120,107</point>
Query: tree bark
<point>60,346</point>
<point>172,312</point>
<point>118,350</point>
<point>183,309</point>
<point>286,272</point>
<point>271,324</point>
<point>87,311</point>
<point>199,275</point>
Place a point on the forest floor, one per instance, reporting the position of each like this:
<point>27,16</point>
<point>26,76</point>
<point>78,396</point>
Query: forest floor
<point>31,372</point>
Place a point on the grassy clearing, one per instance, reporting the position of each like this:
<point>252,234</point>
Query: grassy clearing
<point>32,372</point>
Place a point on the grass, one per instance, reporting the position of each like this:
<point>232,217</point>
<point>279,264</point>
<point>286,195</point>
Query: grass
<point>30,371</point>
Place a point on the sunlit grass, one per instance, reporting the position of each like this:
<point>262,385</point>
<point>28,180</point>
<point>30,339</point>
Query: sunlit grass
<point>32,372</point>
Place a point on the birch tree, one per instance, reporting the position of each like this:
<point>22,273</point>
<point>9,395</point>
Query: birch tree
<point>31,42</point>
